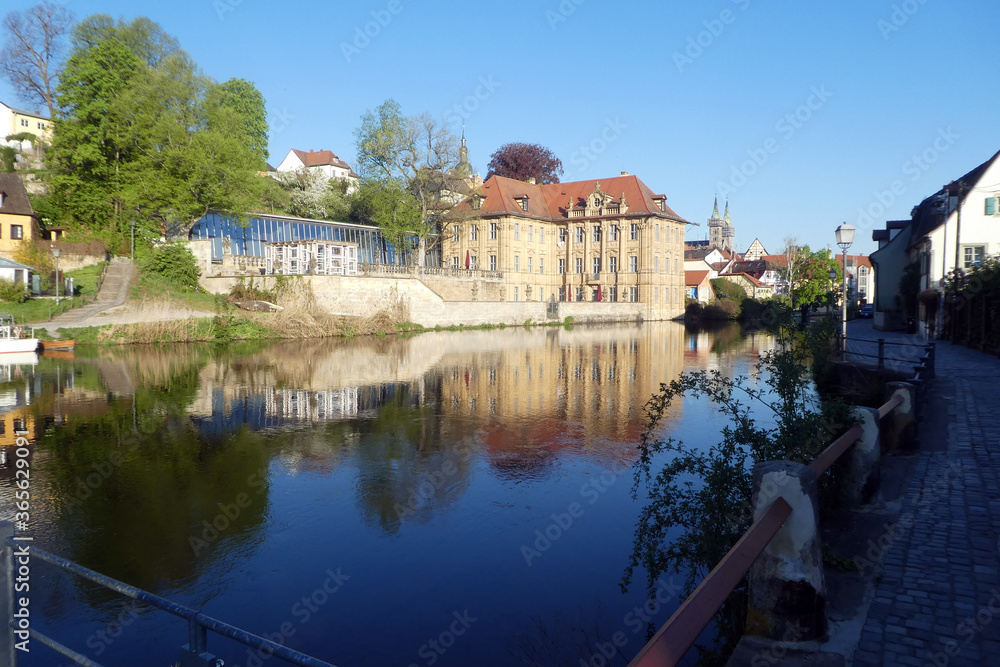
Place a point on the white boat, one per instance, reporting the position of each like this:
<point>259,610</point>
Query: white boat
<point>15,337</point>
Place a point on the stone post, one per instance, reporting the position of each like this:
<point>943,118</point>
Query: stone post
<point>899,428</point>
<point>861,480</point>
<point>787,589</point>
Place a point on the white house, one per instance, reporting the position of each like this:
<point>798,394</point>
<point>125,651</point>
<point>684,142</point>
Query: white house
<point>19,121</point>
<point>957,226</point>
<point>15,272</point>
<point>860,276</point>
<point>325,162</point>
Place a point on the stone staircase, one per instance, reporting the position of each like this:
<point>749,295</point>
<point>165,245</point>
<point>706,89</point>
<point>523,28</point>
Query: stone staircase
<point>113,292</point>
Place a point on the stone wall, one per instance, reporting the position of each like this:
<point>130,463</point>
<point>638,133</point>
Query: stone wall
<point>362,296</point>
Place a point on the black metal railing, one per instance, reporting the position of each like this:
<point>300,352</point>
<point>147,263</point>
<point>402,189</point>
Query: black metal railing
<point>193,654</point>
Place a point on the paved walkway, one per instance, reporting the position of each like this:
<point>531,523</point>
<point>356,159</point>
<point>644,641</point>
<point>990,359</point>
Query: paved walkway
<point>110,305</point>
<point>937,596</point>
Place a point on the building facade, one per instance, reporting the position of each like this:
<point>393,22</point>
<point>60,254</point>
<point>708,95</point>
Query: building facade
<point>957,227</point>
<point>323,162</point>
<point>18,223</point>
<point>613,240</point>
<point>19,121</point>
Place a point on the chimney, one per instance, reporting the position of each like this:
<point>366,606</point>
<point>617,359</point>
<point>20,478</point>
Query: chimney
<point>531,180</point>
<point>624,173</point>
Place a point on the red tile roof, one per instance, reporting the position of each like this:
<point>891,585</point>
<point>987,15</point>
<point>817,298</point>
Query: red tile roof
<point>549,202</point>
<point>695,277</point>
<point>320,158</point>
<point>859,260</point>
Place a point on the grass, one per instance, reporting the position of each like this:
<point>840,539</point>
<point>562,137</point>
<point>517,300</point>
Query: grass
<point>43,309</point>
<point>153,286</point>
<point>85,279</point>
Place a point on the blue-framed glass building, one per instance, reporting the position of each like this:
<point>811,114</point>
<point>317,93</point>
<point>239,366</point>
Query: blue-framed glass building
<point>249,240</point>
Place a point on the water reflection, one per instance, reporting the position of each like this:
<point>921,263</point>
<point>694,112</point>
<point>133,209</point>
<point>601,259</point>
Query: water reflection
<point>168,468</point>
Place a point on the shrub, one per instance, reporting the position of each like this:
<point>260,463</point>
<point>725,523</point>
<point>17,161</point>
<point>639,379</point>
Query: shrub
<point>695,311</point>
<point>12,292</point>
<point>722,309</point>
<point>175,262</point>
<point>727,289</point>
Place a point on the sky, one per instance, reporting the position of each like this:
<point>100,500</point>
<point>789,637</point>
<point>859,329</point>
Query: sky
<point>802,115</point>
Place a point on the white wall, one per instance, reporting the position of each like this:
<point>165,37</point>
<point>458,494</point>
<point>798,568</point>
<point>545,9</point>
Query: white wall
<point>977,228</point>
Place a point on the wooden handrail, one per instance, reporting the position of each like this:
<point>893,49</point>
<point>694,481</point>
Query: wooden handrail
<point>679,633</point>
<point>829,456</point>
<point>890,405</point>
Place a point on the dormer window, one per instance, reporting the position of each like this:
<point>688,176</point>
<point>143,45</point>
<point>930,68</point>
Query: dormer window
<point>523,203</point>
<point>477,202</point>
<point>597,201</point>
<point>3,196</point>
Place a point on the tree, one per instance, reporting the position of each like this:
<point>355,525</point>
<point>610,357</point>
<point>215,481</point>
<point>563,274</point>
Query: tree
<point>813,284</point>
<point>143,37</point>
<point>524,161</point>
<point>390,206</point>
<point>88,149</point>
<point>143,135</point>
<point>29,59</point>
<point>309,195</point>
<point>412,154</point>
<point>243,97</point>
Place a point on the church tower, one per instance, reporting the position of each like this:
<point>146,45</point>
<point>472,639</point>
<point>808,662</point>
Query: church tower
<point>720,229</point>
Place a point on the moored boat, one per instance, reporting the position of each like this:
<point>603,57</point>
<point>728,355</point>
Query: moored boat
<point>15,337</point>
<point>61,344</point>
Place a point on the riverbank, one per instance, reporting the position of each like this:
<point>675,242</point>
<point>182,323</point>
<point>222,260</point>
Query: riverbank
<point>144,322</point>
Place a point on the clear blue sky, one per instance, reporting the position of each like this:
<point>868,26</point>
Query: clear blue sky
<point>833,99</point>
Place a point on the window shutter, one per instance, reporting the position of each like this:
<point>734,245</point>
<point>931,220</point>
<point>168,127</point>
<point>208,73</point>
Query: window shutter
<point>991,205</point>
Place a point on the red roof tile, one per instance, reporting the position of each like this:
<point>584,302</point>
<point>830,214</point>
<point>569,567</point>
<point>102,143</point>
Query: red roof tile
<point>695,277</point>
<point>549,202</point>
<point>320,158</point>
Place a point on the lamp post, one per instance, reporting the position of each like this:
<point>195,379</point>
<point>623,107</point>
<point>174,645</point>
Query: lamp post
<point>845,237</point>
<point>55,253</point>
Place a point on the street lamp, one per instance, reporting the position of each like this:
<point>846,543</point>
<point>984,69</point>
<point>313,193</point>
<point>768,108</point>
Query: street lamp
<point>55,253</point>
<point>845,237</point>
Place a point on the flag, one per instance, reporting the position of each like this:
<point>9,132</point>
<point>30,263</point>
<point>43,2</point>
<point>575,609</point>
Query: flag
<point>466,259</point>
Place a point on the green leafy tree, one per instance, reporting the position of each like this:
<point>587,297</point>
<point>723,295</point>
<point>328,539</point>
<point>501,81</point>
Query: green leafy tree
<point>8,158</point>
<point>390,206</point>
<point>807,274</point>
<point>88,150</point>
<point>415,154</point>
<point>143,136</point>
<point>243,97</point>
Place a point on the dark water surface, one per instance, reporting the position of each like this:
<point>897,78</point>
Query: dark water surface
<point>446,499</point>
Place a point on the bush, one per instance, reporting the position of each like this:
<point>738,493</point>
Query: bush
<point>175,262</point>
<point>695,311</point>
<point>727,289</point>
<point>722,309</point>
<point>12,292</point>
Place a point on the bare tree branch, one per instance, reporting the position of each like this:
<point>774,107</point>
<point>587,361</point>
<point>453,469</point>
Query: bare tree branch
<point>29,59</point>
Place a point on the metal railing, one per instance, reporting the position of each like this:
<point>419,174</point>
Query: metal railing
<point>679,633</point>
<point>853,348</point>
<point>192,654</point>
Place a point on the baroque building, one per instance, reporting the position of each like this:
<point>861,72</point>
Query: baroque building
<point>601,241</point>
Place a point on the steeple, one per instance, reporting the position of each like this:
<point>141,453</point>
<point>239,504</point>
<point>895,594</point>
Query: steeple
<point>463,157</point>
<point>726,216</point>
<point>715,211</point>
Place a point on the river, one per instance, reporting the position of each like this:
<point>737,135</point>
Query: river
<point>450,498</point>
